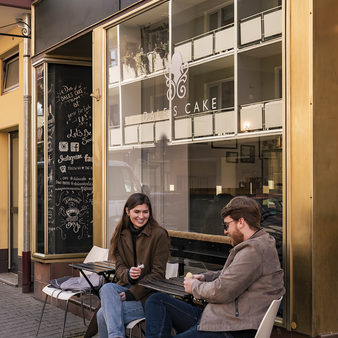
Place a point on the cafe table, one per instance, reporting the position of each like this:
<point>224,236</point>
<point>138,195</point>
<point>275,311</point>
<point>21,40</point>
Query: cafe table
<point>103,268</point>
<point>172,286</point>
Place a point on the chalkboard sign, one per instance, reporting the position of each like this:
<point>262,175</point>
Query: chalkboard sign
<point>70,171</point>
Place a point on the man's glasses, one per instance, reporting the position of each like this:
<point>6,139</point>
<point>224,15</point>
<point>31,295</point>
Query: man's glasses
<point>226,225</point>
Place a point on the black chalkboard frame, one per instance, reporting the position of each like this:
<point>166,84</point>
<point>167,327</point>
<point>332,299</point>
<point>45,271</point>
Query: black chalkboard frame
<point>69,159</point>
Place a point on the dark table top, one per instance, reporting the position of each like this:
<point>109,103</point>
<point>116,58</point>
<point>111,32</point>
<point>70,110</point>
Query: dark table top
<point>172,286</point>
<point>101,268</point>
<point>105,268</point>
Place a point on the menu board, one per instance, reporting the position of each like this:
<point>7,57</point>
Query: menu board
<point>70,170</point>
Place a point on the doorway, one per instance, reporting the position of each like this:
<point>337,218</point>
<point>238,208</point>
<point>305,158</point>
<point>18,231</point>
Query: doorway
<point>13,189</point>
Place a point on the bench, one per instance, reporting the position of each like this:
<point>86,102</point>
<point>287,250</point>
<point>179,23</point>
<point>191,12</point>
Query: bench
<point>211,251</point>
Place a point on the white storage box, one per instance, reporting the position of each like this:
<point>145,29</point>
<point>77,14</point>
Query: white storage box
<point>183,128</point>
<point>251,30</point>
<point>251,117</point>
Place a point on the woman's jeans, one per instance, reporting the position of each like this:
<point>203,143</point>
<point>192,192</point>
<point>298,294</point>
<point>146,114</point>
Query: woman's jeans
<point>114,313</point>
<point>164,312</point>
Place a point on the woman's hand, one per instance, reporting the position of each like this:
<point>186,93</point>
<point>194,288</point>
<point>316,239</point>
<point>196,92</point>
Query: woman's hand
<point>123,296</point>
<point>135,272</point>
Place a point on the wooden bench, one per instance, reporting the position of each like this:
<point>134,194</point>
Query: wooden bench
<point>203,248</point>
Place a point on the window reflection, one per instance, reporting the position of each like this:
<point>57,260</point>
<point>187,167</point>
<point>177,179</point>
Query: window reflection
<point>144,42</point>
<point>189,184</point>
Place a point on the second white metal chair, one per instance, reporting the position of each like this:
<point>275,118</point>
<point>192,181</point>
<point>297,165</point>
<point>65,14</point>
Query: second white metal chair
<point>266,325</point>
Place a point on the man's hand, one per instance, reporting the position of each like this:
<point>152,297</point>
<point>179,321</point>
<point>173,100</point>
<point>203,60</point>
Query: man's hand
<point>200,277</point>
<point>188,282</point>
<point>134,272</point>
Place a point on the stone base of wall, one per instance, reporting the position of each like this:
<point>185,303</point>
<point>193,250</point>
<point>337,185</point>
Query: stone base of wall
<point>20,271</point>
<point>3,260</point>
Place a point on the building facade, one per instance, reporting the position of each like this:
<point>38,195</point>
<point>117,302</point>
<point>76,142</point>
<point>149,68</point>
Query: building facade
<point>14,107</point>
<point>193,103</point>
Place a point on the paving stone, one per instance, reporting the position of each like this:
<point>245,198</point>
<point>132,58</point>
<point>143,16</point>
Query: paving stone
<point>20,314</point>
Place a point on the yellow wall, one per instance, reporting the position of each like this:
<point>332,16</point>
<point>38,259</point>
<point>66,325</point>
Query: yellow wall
<point>3,192</point>
<point>11,118</point>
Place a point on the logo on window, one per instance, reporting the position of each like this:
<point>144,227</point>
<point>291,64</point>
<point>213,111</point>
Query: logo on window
<point>177,78</point>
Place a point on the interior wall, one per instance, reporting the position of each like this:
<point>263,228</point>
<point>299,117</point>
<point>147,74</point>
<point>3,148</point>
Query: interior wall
<point>268,75</point>
<point>210,164</point>
<point>199,79</point>
<point>250,7</point>
<point>257,77</point>
<point>131,107</point>
<point>249,79</point>
<point>189,22</point>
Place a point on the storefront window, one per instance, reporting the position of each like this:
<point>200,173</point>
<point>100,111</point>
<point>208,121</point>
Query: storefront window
<point>202,126</point>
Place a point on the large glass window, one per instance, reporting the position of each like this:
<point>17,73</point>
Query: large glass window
<point>194,119</point>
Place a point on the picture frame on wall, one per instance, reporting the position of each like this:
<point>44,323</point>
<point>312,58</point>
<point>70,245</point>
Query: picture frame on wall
<point>231,156</point>
<point>247,153</point>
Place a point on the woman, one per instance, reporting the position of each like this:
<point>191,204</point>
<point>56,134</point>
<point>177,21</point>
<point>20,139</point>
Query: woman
<point>140,248</point>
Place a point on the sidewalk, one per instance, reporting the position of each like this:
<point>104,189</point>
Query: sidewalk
<point>20,314</point>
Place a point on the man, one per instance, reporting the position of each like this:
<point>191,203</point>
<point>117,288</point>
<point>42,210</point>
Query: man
<point>237,296</point>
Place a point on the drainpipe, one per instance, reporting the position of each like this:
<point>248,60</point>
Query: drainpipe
<point>26,253</point>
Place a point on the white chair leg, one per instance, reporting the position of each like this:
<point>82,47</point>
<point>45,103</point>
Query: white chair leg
<point>43,310</point>
<point>83,315</point>
<point>64,321</point>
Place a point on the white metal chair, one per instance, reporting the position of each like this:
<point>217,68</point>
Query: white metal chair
<point>266,325</point>
<point>170,271</point>
<point>95,254</point>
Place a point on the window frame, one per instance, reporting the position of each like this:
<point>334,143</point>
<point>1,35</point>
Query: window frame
<point>6,62</point>
<point>218,10</point>
<point>218,83</point>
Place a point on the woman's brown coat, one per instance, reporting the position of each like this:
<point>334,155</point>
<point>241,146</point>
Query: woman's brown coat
<point>152,249</point>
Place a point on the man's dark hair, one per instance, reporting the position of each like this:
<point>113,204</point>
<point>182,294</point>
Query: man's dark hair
<point>246,207</point>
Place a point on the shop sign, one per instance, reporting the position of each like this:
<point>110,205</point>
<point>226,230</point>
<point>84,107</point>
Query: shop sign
<point>176,83</point>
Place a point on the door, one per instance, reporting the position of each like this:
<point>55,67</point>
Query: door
<point>13,201</point>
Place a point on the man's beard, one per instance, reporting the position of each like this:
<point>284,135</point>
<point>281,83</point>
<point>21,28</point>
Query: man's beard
<point>237,237</point>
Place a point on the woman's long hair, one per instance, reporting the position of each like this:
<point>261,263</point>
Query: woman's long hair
<point>133,201</point>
